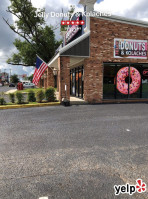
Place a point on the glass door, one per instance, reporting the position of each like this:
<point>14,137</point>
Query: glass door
<point>76,82</point>
<point>124,81</point>
<point>72,82</point>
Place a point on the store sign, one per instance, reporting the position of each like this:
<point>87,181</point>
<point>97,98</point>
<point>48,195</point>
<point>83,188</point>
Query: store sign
<point>127,48</point>
<point>72,32</point>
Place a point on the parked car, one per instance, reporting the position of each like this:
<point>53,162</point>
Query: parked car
<point>1,84</point>
<point>29,85</point>
<point>11,85</point>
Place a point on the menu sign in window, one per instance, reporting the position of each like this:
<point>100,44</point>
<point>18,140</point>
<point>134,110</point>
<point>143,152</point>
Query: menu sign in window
<point>128,48</point>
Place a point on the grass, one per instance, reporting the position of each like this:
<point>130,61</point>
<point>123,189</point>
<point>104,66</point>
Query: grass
<point>9,103</point>
<point>23,103</point>
<point>32,89</point>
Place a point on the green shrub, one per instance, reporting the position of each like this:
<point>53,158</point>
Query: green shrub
<point>50,94</point>
<point>40,96</point>
<point>2,94</point>
<point>2,101</point>
<point>20,97</point>
<point>12,97</point>
<point>31,96</point>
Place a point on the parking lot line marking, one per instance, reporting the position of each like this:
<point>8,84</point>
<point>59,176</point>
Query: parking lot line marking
<point>45,197</point>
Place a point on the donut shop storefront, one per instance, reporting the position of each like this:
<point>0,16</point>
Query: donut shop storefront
<point>107,62</point>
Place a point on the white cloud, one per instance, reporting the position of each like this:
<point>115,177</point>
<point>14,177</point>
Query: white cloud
<point>38,3</point>
<point>145,19</point>
<point>4,67</point>
<point>28,70</point>
<point>128,8</point>
<point>1,53</point>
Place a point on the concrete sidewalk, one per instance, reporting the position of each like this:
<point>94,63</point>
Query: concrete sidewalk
<point>73,100</point>
<point>11,91</point>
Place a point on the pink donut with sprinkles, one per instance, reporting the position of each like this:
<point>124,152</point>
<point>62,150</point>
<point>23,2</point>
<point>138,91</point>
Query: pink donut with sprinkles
<point>122,86</point>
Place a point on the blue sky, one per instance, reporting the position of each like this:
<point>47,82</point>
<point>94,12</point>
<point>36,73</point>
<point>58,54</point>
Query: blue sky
<point>134,9</point>
<point>99,1</point>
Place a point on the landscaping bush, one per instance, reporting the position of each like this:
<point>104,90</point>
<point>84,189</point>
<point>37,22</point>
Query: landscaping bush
<point>12,97</point>
<point>20,97</point>
<point>50,94</point>
<point>31,96</point>
<point>40,96</point>
<point>2,101</point>
<point>2,94</point>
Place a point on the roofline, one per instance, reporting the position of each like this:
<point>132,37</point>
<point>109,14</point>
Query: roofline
<point>123,20</point>
<point>87,2</point>
<point>74,42</point>
<point>68,46</point>
<point>82,37</point>
<point>53,59</point>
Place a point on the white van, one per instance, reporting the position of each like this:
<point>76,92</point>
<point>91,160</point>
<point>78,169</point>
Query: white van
<point>26,82</point>
<point>28,85</point>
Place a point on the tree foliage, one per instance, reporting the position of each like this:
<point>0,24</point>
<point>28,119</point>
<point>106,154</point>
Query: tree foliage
<point>30,77</point>
<point>14,79</point>
<point>35,37</point>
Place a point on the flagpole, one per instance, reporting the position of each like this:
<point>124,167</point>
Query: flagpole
<point>44,61</point>
<point>41,59</point>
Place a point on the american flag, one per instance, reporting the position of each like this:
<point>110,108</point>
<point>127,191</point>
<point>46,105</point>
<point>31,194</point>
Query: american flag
<point>41,66</point>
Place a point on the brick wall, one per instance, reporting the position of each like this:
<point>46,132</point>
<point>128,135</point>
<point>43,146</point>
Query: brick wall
<point>50,78</point>
<point>92,80</point>
<point>45,79</point>
<point>64,77</point>
<point>39,84</point>
<point>102,37</point>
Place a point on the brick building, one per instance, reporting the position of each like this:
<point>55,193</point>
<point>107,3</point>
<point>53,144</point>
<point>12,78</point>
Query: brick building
<point>105,60</point>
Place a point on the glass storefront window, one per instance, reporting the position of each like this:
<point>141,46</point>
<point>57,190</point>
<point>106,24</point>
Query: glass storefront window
<point>118,84</point>
<point>76,82</point>
<point>144,81</point>
<point>80,83</point>
<point>109,82</point>
<point>72,82</point>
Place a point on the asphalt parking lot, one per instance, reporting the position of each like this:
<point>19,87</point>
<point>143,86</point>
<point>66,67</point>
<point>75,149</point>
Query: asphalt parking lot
<point>78,152</point>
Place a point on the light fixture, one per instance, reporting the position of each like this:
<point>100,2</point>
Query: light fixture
<point>55,72</point>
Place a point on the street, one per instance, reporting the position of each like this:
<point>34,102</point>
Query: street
<point>77,152</point>
<point>3,91</point>
<point>6,88</point>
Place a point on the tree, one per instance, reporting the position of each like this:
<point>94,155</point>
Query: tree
<point>30,77</point>
<point>38,38</point>
<point>14,79</point>
<point>71,12</point>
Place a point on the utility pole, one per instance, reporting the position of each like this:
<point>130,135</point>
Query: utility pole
<point>10,75</point>
<point>4,76</point>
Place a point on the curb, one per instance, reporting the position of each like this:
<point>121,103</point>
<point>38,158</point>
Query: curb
<point>29,105</point>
